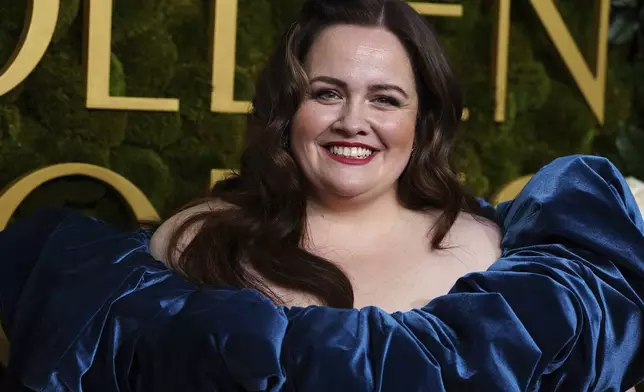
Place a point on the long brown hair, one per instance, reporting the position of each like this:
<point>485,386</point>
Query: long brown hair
<point>256,239</point>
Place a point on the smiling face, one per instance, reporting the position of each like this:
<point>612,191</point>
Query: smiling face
<point>352,136</point>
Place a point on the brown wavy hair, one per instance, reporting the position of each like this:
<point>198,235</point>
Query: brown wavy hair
<point>255,237</point>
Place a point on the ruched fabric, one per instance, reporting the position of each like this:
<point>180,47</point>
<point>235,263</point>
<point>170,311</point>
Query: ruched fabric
<point>87,308</point>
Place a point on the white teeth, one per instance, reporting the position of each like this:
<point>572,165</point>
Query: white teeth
<point>351,152</point>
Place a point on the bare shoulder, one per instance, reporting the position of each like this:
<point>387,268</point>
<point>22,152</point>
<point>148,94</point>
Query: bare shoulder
<point>475,224</point>
<point>161,237</point>
<point>479,236</point>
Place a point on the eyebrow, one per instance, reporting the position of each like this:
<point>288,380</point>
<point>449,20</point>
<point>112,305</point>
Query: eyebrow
<point>342,84</point>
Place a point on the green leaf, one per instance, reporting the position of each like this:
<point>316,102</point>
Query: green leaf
<point>630,146</point>
<point>622,30</point>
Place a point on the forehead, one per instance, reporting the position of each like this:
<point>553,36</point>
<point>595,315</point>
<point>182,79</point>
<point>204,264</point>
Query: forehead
<point>356,52</point>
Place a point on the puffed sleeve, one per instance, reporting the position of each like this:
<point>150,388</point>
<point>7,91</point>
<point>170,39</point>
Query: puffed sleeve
<point>561,310</point>
<point>20,246</point>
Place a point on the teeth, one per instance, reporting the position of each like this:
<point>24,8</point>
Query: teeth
<point>351,152</point>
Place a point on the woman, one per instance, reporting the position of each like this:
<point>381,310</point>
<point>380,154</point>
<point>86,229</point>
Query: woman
<point>348,168</point>
<point>345,198</point>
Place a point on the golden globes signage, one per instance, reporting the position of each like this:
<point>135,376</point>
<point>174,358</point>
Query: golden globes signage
<point>591,80</point>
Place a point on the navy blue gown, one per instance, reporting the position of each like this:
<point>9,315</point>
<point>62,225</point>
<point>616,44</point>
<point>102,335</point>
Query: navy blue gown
<point>87,308</point>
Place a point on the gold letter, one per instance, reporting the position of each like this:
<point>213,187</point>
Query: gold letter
<point>99,51</point>
<point>511,189</point>
<point>217,175</point>
<point>16,193</point>
<point>223,63</point>
<point>36,36</point>
<point>500,66</point>
<point>438,9</point>
<point>592,85</point>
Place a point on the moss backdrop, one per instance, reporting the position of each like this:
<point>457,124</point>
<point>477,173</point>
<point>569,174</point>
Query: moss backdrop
<point>161,48</point>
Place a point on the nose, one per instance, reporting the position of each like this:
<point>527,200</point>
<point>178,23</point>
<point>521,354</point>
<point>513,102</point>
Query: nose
<point>352,120</point>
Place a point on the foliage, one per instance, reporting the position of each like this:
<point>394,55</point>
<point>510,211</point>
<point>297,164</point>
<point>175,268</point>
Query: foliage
<point>161,49</point>
<point>627,29</point>
<point>627,25</point>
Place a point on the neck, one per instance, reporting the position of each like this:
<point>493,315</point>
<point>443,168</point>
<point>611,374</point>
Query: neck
<point>357,212</point>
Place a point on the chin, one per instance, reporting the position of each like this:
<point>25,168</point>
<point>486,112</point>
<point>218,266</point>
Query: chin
<point>348,191</point>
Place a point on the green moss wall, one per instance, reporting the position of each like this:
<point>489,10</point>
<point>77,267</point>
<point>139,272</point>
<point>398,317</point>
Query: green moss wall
<point>161,49</point>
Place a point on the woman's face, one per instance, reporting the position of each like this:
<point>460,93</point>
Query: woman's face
<point>352,137</point>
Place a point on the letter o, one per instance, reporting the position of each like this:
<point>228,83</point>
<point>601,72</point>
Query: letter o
<point>19,190</point>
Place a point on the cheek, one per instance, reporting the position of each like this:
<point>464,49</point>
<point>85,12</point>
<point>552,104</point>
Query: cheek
<point>308,123</point>
<point>399,132</point>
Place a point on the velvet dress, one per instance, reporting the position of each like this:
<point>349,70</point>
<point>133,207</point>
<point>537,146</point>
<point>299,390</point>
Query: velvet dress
<point>87,308</point>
